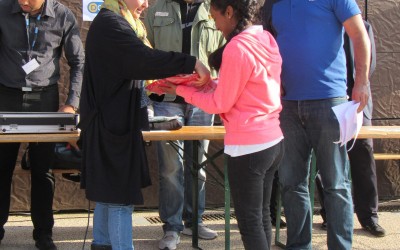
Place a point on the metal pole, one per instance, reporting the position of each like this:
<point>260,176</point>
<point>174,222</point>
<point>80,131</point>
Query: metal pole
<point>366,10</point>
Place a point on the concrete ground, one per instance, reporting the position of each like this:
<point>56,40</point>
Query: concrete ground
<point>69,232</point>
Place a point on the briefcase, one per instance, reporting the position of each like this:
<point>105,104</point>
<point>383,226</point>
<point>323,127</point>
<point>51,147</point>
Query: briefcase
<point>37,122</point>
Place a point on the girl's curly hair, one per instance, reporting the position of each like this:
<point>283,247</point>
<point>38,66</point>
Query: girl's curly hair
<point>246,12</point>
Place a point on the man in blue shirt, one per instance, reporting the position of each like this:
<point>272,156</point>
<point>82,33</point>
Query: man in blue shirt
<point>361,156</point>
<point>310,37</point>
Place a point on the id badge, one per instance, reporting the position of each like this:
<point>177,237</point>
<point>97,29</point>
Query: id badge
<point>30,66</point>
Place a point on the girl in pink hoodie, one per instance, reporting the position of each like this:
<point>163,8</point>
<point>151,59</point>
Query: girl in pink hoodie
<point>247,98</point>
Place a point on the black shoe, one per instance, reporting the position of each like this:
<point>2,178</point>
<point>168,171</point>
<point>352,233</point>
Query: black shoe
<point>375,229</point>
<point>100,247</point>
<point>282,223</point>
<point>72,177</point>
<point>324,226</point>
<point>45,242</point>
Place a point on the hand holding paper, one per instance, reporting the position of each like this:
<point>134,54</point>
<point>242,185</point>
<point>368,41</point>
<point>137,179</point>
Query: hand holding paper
<point>350,121</point>
<point>187,80</point>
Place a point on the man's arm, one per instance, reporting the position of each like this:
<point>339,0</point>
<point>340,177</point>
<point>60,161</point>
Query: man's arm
<point>355,28</point>
<point>74,54</point>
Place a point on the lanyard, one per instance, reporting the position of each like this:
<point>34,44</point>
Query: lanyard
<point>36,31</point>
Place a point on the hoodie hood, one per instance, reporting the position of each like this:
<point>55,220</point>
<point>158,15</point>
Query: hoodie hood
<point>261,43</point>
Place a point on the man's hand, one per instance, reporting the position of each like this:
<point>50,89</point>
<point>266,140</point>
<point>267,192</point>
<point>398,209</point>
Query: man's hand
<point>67,109</point>
<point>360,94</point>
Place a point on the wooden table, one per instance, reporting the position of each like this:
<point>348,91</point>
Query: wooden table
<point>187,133</point>
<point>379,132</point>
<point>193,133</point>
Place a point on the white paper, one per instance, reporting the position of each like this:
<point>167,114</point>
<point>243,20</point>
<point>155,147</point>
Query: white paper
<point>30,66</point>
<point>90,8</point>
<point>350,121</point>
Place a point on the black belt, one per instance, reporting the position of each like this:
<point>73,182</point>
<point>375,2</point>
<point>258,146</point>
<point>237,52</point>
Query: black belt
<point>38,88</point>
<point>32,88</point>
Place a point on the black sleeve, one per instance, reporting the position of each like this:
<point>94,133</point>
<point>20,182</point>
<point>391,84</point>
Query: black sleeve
<point>138,61</point>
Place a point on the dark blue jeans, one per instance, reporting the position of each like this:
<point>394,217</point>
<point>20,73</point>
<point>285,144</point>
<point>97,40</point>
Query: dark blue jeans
<point>250,179</point>
<point>363,175</point>
<point>310,125</point>
<point>175,199</point>
<point>40,155</point>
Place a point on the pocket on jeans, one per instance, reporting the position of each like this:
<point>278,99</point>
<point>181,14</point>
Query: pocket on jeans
<point>258,163</point>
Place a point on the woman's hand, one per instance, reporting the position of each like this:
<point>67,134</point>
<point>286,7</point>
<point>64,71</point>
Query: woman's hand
<point>204,74</point>
<point>168,88</point>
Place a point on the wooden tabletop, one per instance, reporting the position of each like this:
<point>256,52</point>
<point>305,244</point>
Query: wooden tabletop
<point>185,133</point>
<point>58,137</point>
<point>379,132</point>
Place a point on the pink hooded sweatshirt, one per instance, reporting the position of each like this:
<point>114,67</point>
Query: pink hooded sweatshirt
<point>247,96</point>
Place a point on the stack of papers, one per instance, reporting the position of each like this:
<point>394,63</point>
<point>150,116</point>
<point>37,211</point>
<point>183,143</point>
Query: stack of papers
<point>350,121</point>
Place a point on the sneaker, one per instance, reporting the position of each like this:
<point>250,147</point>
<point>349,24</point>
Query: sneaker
<point>375,229</point>
<point>45,242</point>
<point>169,241</point>
<point>204,232</point>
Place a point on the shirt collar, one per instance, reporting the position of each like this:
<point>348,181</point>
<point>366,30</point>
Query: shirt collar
<point>48,8</point>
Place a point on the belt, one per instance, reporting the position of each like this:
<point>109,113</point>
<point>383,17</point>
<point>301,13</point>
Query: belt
<point>37,88</point>
<point>29,89</point>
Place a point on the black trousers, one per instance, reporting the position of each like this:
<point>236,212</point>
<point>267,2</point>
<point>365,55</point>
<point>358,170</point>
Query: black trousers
<point>41,157</point>
<point>250,180</point>
<point>274,203</point>
<point>363,175</point>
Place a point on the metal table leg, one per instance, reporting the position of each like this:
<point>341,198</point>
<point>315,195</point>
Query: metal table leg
<point>195,195</point>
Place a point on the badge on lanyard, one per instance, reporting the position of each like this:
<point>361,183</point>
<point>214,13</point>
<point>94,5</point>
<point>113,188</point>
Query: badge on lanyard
<point>32,63</point>
<point>30,66</point>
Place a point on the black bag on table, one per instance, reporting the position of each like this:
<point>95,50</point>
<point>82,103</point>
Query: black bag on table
<point>164,123</point>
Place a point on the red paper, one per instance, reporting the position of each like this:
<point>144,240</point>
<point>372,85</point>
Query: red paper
<point>186,80</point>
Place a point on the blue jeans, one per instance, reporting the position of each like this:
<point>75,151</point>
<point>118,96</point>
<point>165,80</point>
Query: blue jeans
<point>250,178</point>
<point>310,125</point>
<point>175,197</point>
<point>112,226</point>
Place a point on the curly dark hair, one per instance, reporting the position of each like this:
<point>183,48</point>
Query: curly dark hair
<point>246,12</point>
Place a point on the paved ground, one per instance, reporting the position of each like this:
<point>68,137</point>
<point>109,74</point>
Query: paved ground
<point>69,233</point>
